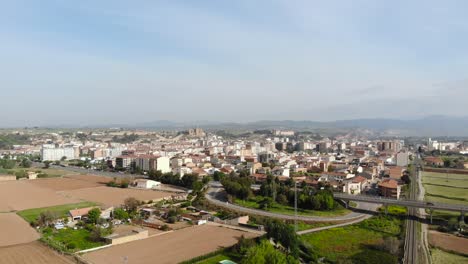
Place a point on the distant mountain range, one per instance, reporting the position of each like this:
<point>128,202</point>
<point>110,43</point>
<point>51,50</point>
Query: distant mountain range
<point>427,126</point>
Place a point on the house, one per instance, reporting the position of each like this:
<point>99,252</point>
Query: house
<point>32,175</point>
<point>390,188</point>
<point>146,184</point>
<point>79,214</point>
<point>355,185</point>
<point>434,161</point>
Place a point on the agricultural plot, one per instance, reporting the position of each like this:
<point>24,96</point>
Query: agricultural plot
<point>14,230</point>
<point>446,188</point>
<point>441,257</point>
<point>109,196</point>
<point>173,247</point>
<point>32,253</point>
<point>20,195</point>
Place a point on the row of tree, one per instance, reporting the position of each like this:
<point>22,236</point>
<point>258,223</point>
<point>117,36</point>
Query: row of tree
<point>190,181</point>
<point>307,197</point>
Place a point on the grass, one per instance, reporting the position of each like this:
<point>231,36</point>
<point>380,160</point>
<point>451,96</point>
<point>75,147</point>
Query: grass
<point>301,226</point>
<point>441,257</point>
<point>289,210</point>
<point>69,240</point>
<point>217,258</point>
<point>443,188</point>
<point>60,210</point>
<point>394,210</point>
<point>357,242</point>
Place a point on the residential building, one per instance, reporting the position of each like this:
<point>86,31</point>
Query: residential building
<point>390,188</point>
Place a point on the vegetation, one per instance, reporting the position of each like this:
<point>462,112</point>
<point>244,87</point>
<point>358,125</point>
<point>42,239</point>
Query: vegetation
<point>256,203</point>
<point>265,253</point>
<point>9,140</point>
<point>442,257</point>
<point>189,181</point>
<point>374,240</point>
<point>60,211</point>
<point>71,240</point>
<point>125,139</point>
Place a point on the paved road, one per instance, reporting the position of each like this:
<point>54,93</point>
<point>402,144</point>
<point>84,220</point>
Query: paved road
<point>411,203</point>
<point>216,196</point>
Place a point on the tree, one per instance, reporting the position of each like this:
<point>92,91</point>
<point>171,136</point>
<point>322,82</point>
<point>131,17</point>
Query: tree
<point>94,215</point>
<point>25,163</point>
<point>96,234</point>
<point>266,203</point>
<point>120,214</point>
<point>284,234</point>
<point>282,199</point>
<point>217,175</point>
<point>188,180</point>
<point>265,253</point>
<point>45,218</point>
<point>131,204</point>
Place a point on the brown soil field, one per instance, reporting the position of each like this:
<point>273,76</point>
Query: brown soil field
<point>110,196</point>
<point>32,253</point>
<point>173,247</point>
<point>20,195</point>
<point>14,230</point>
<point>64,184</point>
<point>448,242</point>
<point>90,178</point>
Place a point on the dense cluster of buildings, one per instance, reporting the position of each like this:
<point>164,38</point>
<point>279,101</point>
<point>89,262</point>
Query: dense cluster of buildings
<point>351,165</point>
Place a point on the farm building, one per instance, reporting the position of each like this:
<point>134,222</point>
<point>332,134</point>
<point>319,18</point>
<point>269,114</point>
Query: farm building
<point>147,184</point>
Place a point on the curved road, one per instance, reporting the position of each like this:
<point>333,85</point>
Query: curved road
<point>216,196</point>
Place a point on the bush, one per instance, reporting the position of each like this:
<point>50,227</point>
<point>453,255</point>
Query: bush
<point>172,219</point>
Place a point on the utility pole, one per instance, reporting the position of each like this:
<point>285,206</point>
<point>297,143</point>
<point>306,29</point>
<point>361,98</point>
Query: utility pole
<point>295,205</point>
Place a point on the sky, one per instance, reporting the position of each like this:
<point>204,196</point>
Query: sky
<point>93,62</point>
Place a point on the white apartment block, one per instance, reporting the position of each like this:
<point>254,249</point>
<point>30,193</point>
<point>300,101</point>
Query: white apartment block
<point>54,154</point>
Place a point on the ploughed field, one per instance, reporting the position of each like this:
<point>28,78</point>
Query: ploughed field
<point>173,247</point>
<point>14,230</point>
<point>39,193</point>
<point>31,253</point>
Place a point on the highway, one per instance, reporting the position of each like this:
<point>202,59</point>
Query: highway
<point>411,203</point>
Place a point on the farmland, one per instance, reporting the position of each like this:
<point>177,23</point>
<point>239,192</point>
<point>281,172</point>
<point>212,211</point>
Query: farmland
<point>14,230</point>
<point>59,210</point>
<point>173,247</point>
<point>441,257</point>
<point>449,242</point>
<point>109,196</point>
<point>20,195</point>
<point>32,253</point>
<point>446,188</point>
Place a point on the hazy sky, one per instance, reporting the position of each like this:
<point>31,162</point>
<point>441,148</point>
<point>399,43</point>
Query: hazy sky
<point>108,61</point>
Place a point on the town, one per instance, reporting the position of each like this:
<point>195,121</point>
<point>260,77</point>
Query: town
<point>194,196</point>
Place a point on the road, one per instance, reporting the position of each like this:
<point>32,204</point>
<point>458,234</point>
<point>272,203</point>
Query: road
<point>216,196</point>
<point>410,203</point>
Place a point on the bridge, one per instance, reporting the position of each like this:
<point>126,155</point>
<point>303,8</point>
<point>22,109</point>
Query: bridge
<point>406,203</point>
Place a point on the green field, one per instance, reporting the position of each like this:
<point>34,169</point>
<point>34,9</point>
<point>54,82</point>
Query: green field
<point>289,210</point>
<point>445,188</point>
<point>442,257</point>
<point>357,242</point>
<point>69,240</point>
<point>60,210</point>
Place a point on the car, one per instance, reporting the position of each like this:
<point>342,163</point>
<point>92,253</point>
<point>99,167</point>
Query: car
<point>431,204</point>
